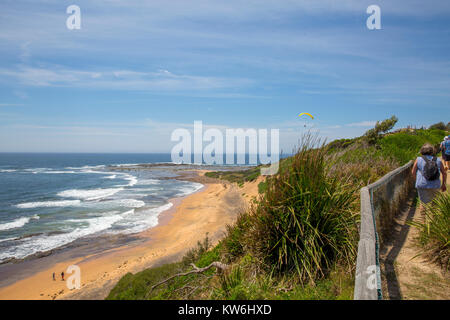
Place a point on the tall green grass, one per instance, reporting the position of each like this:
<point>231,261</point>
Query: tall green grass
<point>304,222</point>
<point>435,230</point>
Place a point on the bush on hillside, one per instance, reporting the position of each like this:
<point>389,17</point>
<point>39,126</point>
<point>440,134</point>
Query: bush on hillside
<point>439,126</point>
<point>304,222</point>
<point>373,135</point>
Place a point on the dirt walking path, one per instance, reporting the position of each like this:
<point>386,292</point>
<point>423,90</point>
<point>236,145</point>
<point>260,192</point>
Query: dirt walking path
<point>406,274</point>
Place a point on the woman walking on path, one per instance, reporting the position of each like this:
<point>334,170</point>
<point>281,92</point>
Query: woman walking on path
<point>427,169</point>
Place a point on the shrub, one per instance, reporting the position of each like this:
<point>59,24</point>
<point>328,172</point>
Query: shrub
<point>262,187</point>
<point>234,244</point>
<point>439,126</point>
<point>304,222</point>
<point>195,253</point>
<point>373,135</point>
<point>435,230</point>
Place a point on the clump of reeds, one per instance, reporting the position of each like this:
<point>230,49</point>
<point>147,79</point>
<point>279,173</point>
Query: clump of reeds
<point>435,230</point>
<point>304,222</point>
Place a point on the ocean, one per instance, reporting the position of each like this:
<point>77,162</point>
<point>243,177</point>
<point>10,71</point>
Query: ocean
<point>50,200</point>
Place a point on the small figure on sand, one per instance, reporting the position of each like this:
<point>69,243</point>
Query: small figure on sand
<point>62,275</point>
<point>54,277</point>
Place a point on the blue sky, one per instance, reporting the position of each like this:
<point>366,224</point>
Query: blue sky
<point>137,70</point>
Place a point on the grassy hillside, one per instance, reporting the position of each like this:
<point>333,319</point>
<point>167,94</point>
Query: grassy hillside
<point>404,145</point>
<point>238,177</point>
<point>300,240</point>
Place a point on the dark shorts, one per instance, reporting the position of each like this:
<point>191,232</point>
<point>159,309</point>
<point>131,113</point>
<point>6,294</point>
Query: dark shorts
<point>445,157</point>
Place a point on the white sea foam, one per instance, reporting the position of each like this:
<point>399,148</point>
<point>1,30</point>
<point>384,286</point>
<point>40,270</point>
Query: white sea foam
<point>85,167</point>
<point>94,167</point>
<point>18,223</point>
<point>129,212</point>
<point>94,171</point>
<point>49,204</point>
<point>37,170</point>
<point>7,170</point>
<point>58,172</point>
<point>110,177</point>
<point>43,243</point>
<point>126,165</point>
<point>93,194</point>
<point>130,221</point>
<point>8,239</point>
<point>128,203</point>
<point>147,182</point>
<point>143,220</point>
<point>133,181</point>
<point>192,188</point>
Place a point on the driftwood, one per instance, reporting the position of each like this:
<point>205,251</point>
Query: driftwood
<point>218,265</point>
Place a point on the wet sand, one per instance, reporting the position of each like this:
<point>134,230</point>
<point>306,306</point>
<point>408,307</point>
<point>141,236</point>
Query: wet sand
<point>207,211</point>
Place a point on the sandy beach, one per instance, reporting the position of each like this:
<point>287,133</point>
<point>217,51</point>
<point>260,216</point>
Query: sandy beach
<point>207,211</point>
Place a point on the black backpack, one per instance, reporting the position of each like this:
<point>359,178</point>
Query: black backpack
<point>431,170</point>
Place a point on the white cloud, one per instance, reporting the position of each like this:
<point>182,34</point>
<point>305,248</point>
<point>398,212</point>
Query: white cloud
<point>119,80</point>
<point>362,124</point>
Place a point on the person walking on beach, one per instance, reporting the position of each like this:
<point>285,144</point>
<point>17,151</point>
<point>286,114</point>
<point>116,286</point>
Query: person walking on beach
<point>445,148</point>
<point>62,275</point>
<point>54,277</point>
<point>427,169</point>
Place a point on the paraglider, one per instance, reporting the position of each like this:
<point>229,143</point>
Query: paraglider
<point>306,114</point>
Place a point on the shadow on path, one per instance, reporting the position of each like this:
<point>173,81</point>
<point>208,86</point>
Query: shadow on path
<point>392,248</point>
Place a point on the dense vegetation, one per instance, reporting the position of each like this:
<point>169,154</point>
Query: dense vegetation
<point>299,240</point>
<point>238,177</point>
<point>304,223</point>
<point>441,126</point>
<point>435,230</point>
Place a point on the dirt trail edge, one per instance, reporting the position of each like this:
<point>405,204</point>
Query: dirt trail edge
<point>406,274</point>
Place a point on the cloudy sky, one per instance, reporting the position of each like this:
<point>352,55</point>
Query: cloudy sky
<point>137,70</point>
